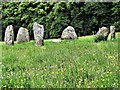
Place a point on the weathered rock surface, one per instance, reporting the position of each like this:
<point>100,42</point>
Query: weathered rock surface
<point>56,40</point>
<point>9,35</point>
<point>69,33</point>
<point>112,32</point>
<point>38,34</point>
<point>23,35</point>
<point>102,34</point>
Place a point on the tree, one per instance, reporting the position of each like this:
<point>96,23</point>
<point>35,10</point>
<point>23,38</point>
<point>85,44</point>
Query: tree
<point>85,17</point>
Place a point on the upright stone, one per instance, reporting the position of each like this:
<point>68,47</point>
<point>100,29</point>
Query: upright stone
<point>38,34</point>
<point>9,35</point>
<point>112,32</point>
<point>69,33</point>
<point>23,35</point>
<point>102,34</point>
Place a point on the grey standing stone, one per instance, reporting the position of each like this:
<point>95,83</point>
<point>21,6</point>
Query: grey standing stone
<point>38,34</point>
<point>102,34</point>
<point>112,32</point>
<point>69,33</point>
<point>9,35</point>
<point>23,35</point>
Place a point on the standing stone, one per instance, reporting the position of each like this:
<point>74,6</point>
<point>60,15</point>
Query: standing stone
<point>102,34</point>
<point>9,35</point>
<point>112,32</point>
<point>23,35</point>
<point>38,34</point>
<point>69,33</point>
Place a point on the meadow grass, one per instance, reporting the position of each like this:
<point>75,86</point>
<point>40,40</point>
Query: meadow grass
<point>78,63</point>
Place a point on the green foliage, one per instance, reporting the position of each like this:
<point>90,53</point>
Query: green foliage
<point>84,17</point>
<point>78,63</point>
<point>0,21</point>
<point>116,11</point>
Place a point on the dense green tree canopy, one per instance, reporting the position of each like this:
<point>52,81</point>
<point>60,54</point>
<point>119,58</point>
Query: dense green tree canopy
<point>55,16</point>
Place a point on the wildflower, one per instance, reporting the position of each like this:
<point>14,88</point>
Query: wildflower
<point>93,54</point>
<point>88,86</point>
<point>97,80</point>
<point>111,57</point>
<point>110,72</point>
<point>52,72</point>
<point>101,85</point>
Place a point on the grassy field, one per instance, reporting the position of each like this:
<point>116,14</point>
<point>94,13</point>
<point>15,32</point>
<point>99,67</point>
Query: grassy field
<point>80,63</point>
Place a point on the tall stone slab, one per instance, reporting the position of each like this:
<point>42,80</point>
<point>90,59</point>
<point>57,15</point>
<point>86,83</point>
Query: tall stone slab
<point>23,35</point>
<point>38,34</point>
<point>112,32</point>
<point>9,35</point>
<point>69,33</point>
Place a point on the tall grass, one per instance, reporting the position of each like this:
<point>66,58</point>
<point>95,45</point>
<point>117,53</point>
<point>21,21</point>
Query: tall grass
<point>78,63</point>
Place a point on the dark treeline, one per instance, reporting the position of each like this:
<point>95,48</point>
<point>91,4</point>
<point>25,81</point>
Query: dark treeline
<point>85,17</point>
<point>0,21</point>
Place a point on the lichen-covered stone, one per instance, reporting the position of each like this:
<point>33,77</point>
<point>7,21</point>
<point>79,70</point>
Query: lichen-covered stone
<point>38,34</point>
<point>9,35</point>
<point>23,35</point>
<point>102,34</point>
<point>69,33</point>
